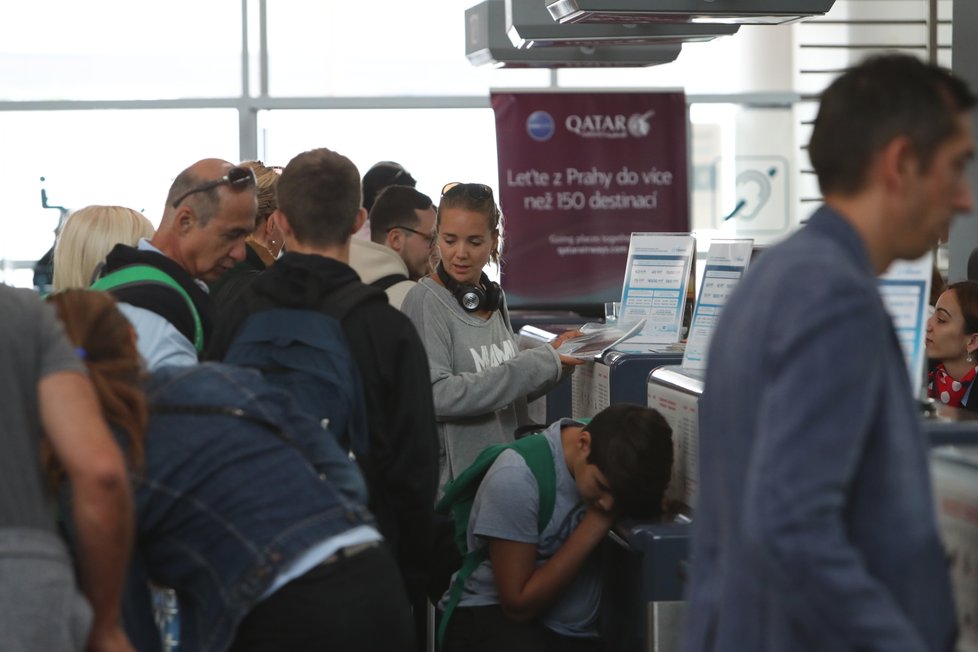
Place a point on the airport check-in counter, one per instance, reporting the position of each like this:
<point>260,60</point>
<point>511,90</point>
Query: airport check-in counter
<point>618,377</point>
<point>556,321</point>
<point>646,564</point>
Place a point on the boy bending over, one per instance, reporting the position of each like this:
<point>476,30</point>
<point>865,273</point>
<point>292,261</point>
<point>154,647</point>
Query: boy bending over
<point>540,589</point>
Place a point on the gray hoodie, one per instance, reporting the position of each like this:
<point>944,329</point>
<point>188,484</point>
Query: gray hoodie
<point>372,261</point>
<point>480,379</point>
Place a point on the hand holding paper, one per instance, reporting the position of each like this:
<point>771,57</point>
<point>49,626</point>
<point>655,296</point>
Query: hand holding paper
<point>558,341</point>
<point>596,341</point>
<point>566,360</point>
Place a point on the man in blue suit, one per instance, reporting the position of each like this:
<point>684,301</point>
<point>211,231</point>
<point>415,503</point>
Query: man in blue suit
<point>815,527</point>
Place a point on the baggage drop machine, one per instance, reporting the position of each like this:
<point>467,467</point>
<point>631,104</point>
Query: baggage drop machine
<point>618,377</point>
<point>647,563</point>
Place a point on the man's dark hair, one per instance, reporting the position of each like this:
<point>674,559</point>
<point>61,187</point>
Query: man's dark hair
<point>632,446</point>
<point>380,176</point>
<point>395,206</point>
<point>966,292</point>
<point>319,193</point>
<point>882,98</point>
<point>972,273</point>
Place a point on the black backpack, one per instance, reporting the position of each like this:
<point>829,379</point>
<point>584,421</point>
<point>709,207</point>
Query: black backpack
<point>306,352</point>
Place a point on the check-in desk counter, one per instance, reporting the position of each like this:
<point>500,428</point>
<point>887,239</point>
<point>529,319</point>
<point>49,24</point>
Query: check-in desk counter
<point>618,377</point>
<point>675,392</point>
<point>645,575</point>
<point>646,563</point>
<point>954,467</point>
<point>556,321</point>
<point>950,426</point>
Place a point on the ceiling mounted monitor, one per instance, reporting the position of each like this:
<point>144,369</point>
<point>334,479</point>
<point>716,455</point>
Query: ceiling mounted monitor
<point>486,42</point>
<point>745,12</point>
<point>530,25</point>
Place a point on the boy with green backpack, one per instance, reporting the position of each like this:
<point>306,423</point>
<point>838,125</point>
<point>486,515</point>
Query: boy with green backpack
<point>532,513</point>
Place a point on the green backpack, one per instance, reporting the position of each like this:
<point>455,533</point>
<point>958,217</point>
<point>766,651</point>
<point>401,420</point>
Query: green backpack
<point>460,494</point>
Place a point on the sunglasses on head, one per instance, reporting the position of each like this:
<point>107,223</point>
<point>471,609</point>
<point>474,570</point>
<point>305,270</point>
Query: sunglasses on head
<point>477,191</point>
<point>237,177</point>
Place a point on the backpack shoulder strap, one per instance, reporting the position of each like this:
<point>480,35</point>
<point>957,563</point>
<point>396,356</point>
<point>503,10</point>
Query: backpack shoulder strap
<point>347,297</point>
<point>385,282</point>
<point>459,494</point>
<point>138,274</point>
<point>467,482</point>
<point>535,450</point>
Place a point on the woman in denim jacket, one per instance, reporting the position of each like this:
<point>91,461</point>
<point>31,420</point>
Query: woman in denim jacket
<point>235,508</point>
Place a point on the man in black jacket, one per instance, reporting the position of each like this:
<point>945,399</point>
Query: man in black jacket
<point>160,284</point>
<point>319,209</point>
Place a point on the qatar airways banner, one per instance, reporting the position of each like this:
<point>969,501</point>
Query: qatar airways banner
<point>578,174</point>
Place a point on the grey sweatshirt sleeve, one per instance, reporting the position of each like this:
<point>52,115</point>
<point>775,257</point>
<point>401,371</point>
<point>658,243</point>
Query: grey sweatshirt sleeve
<point>471,374</point>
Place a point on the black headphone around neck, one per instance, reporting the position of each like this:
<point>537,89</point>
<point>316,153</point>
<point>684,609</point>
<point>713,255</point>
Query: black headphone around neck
<point>473,298</point>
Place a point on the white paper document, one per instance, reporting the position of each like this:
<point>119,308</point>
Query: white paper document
<point>656,277</point>
<point>725,265</point>
<point>595,342</point>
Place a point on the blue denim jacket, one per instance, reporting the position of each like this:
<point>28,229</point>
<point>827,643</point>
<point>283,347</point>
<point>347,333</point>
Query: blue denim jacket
<point>223,503</point>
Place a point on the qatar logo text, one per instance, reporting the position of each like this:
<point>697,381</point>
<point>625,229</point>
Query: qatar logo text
<point>610,126</point>
<point>540,126</point>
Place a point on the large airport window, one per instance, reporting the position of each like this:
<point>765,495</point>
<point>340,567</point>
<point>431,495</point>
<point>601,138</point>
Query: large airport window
<point>369,49</point>
<point>95,157</point>
<point>116,49</point>
<point>435,145</point>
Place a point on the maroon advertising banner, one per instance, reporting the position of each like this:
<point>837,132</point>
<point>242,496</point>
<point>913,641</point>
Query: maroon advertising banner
<point>578,174</point>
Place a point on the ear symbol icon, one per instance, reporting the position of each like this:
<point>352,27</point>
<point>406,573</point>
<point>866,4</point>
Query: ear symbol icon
<point>753,193</point>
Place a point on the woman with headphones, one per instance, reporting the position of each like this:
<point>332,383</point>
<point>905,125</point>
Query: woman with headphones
<point>480,379</point>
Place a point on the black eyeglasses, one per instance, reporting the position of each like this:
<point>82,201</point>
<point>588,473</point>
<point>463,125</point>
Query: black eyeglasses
<point>430,237</point>
<point>477,191</point>
<point>237,177</point>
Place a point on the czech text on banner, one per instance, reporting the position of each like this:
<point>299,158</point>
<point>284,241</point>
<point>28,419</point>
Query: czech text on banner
<point>578,174</point>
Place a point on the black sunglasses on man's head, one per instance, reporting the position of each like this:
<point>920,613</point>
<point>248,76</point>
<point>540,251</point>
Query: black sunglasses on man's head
<point>237,177</point>
<point>477,191</point>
